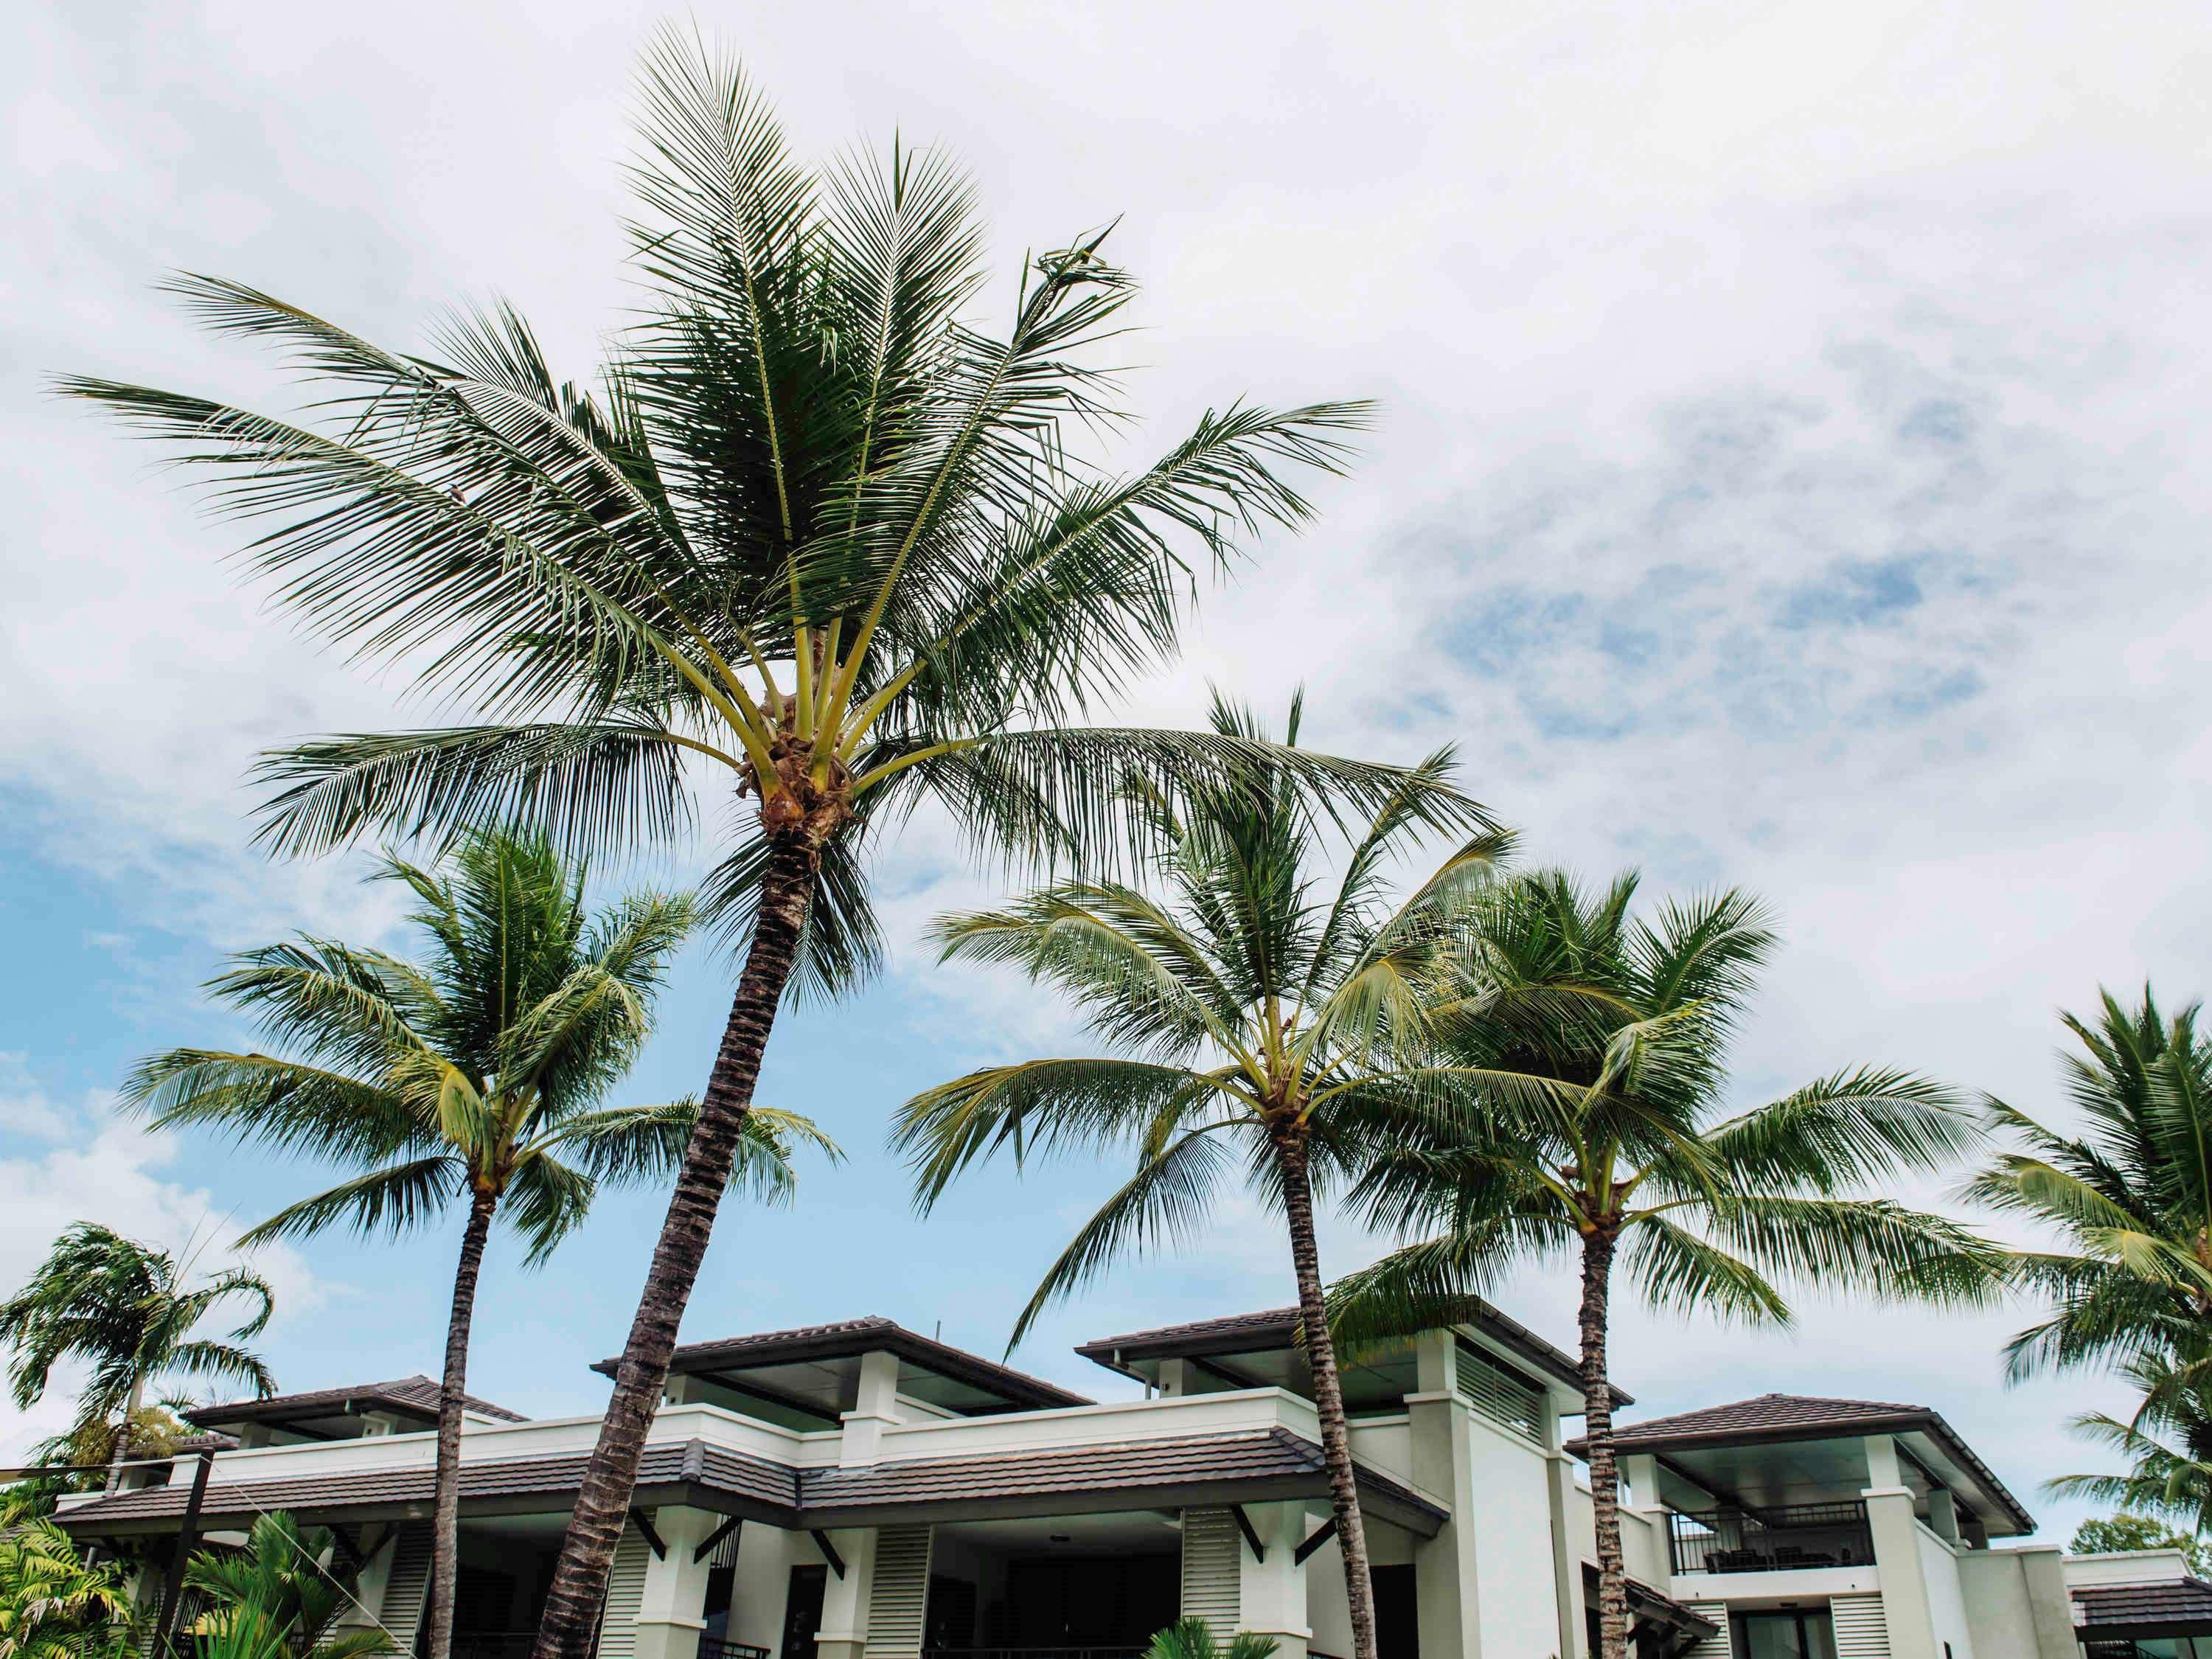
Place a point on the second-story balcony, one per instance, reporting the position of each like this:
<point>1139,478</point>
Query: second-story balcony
<point>1770,1539</point>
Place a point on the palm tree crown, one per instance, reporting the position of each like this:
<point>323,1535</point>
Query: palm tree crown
<point>125,1310</point>
<point>2128,1198</point>
<point>1254,1012</point>
<point>1592,1046</point>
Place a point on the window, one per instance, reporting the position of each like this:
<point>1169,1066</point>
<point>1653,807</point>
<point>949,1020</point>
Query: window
<point>1792,1633</point>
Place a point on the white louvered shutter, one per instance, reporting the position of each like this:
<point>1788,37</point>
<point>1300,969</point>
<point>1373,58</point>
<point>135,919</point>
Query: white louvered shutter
<point>406,1589</point>
<point>1862,1630</point>
<point>1714,1646</point>
<point>1500,1393</point>
<point>1212,1570</point>
<point>899,1597</point>
<point>625,1595</point>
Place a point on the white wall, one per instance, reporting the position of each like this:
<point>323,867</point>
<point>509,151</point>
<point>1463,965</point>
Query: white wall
<point>762,1584</point>
<point>1993,1583</point>
<point>1511,1515</point>
<point>1947,1601</point>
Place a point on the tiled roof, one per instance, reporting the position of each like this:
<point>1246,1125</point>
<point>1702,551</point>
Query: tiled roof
<point>1136,1474</point>
<point>2168,1603</point>
<point>1642,1598</point>
<point>1279,1326</point>
<point>1785,1416</point>
<point>416,1395</point>
<point>847,1337</point>
<point>1145,1473</point>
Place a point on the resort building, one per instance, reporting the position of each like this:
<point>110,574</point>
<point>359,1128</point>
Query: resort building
<point>855,1491</point>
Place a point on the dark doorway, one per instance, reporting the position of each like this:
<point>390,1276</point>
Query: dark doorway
<point>1397,1615</point>
<point>802,1611</point>
<point>951,1620</point>
<point>1089,1602</point>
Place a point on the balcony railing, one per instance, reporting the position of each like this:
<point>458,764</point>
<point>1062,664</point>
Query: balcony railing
<point>1122,1651</point>
<point>1770,1541</point>
<point>714,1647</point>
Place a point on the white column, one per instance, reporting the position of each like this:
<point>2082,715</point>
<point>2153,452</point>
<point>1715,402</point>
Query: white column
<point>875,1409</point>
<point>1446,1588</point>
<point>1271,1594</point>
<point>845,1600</point>
<point>672,1612</point>
<point>1905,1608</point>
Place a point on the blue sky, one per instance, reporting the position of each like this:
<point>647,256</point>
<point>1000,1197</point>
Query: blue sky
<point>1793,472</point>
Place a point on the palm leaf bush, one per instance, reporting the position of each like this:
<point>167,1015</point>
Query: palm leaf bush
<point>814,543</point>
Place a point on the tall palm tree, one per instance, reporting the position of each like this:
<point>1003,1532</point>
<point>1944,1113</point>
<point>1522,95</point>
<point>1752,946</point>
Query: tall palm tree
<point>473,1078</point>
<point>2166,1442</point>
<point>126,1310</point>
<point>814,539</point>
<point>1588,1125</point>
<point>2128,1198</point>
<point>1254,1011</point>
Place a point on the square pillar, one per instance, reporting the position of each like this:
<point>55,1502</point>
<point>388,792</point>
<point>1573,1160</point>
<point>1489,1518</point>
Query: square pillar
<point>875,1409</point>
<point>671,1610</point>
<point>1904,1607</point>
<point>1446,1583</point>
<point>1271,1594</point>
<point>844,1632</point>
<point>1566,1556</point>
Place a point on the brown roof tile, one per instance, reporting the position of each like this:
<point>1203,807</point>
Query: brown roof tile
<point>416,1395</point>
<point>2185,1601</point>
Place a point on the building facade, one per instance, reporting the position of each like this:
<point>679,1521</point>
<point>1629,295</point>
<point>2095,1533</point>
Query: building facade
<point>856,1490</point>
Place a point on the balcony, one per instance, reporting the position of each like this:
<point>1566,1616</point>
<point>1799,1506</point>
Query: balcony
<point>1770,1541</point>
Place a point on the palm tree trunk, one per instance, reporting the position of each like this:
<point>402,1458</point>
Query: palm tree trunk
<point>121,1450</point>
<point>1329,1394</point>
<point>445,1510</point>
<point>1597,1429</point>
<point>571,1603</point>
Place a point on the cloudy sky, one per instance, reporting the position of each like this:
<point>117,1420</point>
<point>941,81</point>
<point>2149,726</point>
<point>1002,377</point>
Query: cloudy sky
<point>1793,474</point>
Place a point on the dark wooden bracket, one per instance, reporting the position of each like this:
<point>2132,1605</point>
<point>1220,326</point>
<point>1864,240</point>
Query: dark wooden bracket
<point>1321,1535</point>
<point>645,1526</point>
<point>715,1537</point>
<point>1244,1526</point>
<point>829,1552</point>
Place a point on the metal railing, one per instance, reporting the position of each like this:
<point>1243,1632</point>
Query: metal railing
<point>1770,1541</point>
<point>714,1647</point>
<point>488,1644</point>
<point>1123,1651</point>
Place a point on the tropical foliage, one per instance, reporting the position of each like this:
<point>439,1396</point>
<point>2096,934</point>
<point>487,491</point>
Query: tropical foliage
<point>2122,1533</point>
<point>52,1606</point>
<point>126,1312</point>
<point>2127,1200</point>
<point>813,539</point>
<point>2166,1447</point>
<point>475,1077</point>
<point>1586,1049</point>
<point>1193,1638</point>
<point>278,1597</point>
<point>1259,1017</point>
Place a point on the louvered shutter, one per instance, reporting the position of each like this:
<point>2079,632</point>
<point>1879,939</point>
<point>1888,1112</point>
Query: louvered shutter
<point>1212,1570</point>
<point>1861,1628</point>
<point>1714,1646</point>
<point>1500,1393</point>
<point>898,1598</point>
<point>406,1589</point>
<point>625,1595</point>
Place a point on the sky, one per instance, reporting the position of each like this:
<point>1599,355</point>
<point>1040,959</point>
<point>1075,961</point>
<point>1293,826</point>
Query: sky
<point>1791,474</point>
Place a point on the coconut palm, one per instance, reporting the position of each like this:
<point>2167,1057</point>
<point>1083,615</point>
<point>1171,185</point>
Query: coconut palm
<point>814,539</point>
<point>2129,1197</point>
<point>474,1077</point>
<point>126,1311</point>
<point>1588,1127</point>
<point>2166,1444</point>
<point>1253,1009</point>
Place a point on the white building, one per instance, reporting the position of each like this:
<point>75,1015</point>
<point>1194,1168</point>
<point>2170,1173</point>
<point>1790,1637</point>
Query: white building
<point>857,1492</point>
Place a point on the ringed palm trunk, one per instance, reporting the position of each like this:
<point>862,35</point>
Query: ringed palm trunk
<point>1597,1427</point>
<point>566,1628</point>
<point>1329,1394</point>
<point>446,1512</point>
<point>121,1452</point>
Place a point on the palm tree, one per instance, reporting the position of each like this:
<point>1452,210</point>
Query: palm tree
<point>277,1596</point>
<point>474,1077</point>
<point>1253,1010</point>
<point>814,538</point>
<point>1587,1126</point>
<point>123,1310</point>
<point>2169,1476</point>
<point>2130,1198</point>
